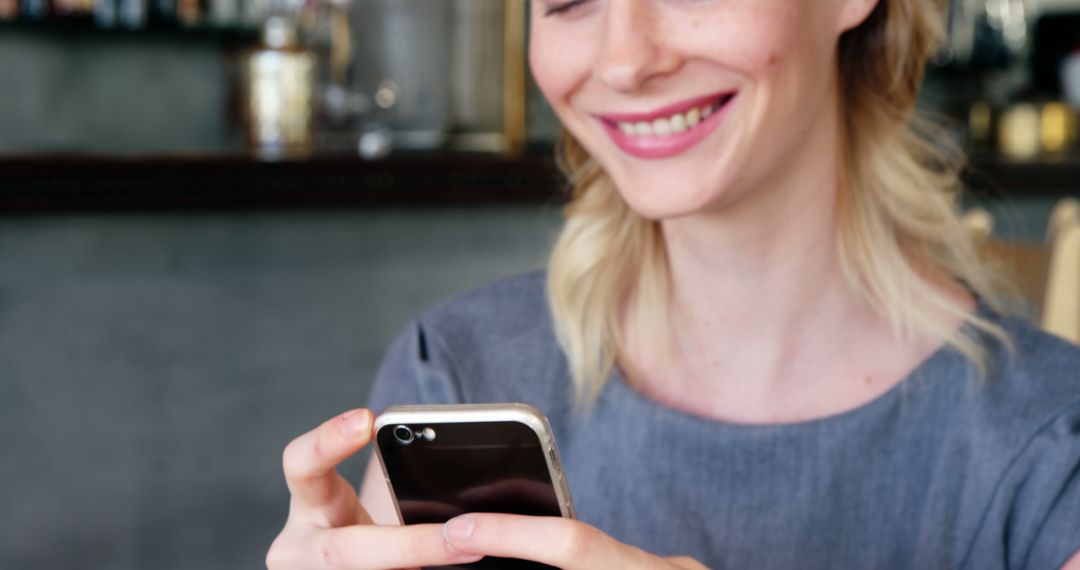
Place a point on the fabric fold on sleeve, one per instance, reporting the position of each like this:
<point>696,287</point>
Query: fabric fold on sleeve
<point>1056,520</point>
<point>413,371</point>
<point>1033,520</point>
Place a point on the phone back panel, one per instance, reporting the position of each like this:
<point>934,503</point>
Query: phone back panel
<point>468,465</point>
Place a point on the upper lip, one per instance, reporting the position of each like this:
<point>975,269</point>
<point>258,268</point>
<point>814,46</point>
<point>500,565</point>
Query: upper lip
<point>667,111</point>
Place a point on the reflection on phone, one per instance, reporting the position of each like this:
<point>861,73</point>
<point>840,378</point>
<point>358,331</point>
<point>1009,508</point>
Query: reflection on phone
<point>503,471</point>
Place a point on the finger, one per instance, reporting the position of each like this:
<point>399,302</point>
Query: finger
<point>339,507</point>
<point>560,542</point>
<point>310,460</point>
<point>686,563</point>
<point>371,547</point>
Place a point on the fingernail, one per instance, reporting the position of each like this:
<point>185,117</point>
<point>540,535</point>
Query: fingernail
<point>458,529</point>
<point>354,423</point>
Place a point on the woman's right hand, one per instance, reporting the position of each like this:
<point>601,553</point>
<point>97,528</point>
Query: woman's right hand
<point>328,527</point>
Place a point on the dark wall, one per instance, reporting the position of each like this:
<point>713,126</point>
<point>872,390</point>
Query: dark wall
<point>67,91</point>
<point>152,367</point>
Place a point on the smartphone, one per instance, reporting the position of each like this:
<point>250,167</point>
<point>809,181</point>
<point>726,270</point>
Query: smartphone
<point>446,460</point>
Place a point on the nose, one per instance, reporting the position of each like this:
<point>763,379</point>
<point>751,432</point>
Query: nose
<point>632,48</point>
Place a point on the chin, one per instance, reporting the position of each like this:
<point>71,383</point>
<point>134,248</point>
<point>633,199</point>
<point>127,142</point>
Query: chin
<point>664,202</point>
<point>673,188</point>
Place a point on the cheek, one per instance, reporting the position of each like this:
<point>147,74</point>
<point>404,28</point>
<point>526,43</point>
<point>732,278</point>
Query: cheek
<point>752,37</point>
<point>557,66</point>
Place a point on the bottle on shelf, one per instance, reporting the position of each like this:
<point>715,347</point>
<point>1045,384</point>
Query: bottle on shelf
<point>353,110</point>
<point>278,91</point>
<point>254,12</point>
<point>72,9</point>
<point>9,10</point>
<point>224,13</point>
<point>133,13</point>
<point>189,13</point>
<point>34,9</point>
<point>163,13</point>
<point>106,13</point>
<point>1070,77</point>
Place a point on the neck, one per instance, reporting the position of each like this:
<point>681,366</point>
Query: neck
<point>767,281</point>
<point>765,266</point>
<point>761,316</point>
<point>768,292</point>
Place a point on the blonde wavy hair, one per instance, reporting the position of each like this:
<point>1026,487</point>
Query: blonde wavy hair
<point>899,234</point>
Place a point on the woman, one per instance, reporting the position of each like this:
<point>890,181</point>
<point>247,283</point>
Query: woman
<point>781,349</point>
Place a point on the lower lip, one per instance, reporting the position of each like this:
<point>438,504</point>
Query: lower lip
<point>666,146</point>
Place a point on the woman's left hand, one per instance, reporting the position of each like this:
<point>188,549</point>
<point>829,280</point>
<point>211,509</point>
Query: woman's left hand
<point>563,543</point>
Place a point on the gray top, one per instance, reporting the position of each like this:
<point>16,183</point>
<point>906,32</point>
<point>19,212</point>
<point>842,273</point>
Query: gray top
<point>942,471</point>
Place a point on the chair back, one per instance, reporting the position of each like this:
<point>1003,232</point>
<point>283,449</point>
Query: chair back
<point>1047,276</point>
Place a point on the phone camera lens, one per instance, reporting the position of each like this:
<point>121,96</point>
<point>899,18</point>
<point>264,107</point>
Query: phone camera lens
<point>403,434</point>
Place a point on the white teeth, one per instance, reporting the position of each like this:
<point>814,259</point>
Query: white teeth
<point>677,123</point>
<point>661,127</point>
<point>693,118</point>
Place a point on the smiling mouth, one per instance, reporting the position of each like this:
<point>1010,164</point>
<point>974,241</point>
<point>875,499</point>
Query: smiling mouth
<point>670,131</point>
<point>676,119</point>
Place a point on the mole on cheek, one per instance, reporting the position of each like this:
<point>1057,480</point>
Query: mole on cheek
<point>773,58</point>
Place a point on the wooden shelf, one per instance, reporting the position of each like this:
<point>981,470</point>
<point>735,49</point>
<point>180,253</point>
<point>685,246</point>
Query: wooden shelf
<point>72,183</point>
<point>994,176</point>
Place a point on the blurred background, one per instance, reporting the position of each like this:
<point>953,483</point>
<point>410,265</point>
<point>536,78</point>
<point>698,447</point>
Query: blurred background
<point>215,214</point>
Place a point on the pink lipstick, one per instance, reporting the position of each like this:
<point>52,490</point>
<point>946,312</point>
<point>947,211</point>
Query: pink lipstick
<point>667,131</point>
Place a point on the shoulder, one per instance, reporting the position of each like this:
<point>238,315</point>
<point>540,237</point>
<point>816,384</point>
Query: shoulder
<point>1011,417</point>
<point>1026,432</point>
<point>1025,414</point>
<point>491,344</point>
<point>1038,378</point>
<point>497,343</point>
<point>495,312</point>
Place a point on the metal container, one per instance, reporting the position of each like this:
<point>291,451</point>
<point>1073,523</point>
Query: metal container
<point>279,84</point>
<point>404,47</point>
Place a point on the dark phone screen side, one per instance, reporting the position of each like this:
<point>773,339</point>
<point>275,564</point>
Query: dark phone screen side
<point>470,467</point>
